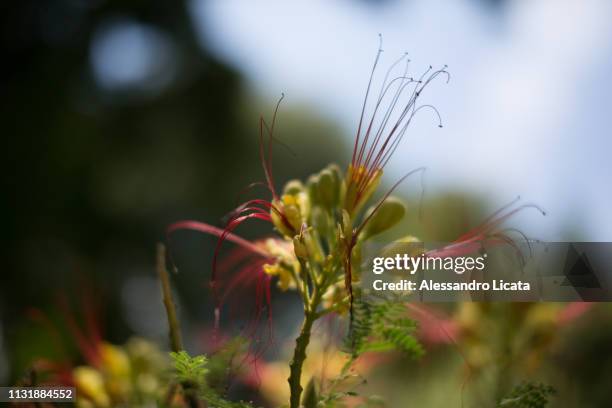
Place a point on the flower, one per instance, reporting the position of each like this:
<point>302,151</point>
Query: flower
<point>107,374</point>
<point>474,330</point>
<point>322,224</point>
<point>378,138</point>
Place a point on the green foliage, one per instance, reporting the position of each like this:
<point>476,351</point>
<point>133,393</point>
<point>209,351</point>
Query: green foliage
<point>192,372</point>
<point>336,400</point>
<point>378,327</point>
<point>527,395</point>
<point>221,365</point>
<point>215,400</point>
<point>189,369</point>
<point>382,327</point>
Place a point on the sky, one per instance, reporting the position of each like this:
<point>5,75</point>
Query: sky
<point>524,112</point>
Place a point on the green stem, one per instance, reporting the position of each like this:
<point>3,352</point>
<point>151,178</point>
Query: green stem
<point>299,355</point>
<point>173,323</point>
<point>175,329</point>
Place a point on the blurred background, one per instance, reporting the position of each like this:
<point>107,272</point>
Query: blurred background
<point>120,117</point>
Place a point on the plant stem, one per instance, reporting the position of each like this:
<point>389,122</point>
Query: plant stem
<point>299,355</point>
<point>175,331</point>
<point>176,344</point>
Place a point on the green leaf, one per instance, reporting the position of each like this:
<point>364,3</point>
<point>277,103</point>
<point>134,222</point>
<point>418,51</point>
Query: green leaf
<point>191,373</point>
<point>381,327</point>
<point>189,369</point>
<point>528,395</point>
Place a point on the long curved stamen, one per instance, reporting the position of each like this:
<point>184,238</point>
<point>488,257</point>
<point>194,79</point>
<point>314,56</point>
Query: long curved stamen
<point>393,139</point>
<point>87,342</point>
<point>216,231</point>
<point>223,235</point>
<point>365,100</point>
<point>487,220</point>
<point>485,233</point>
<point>391,107</point>
<point>266,161</point>
<point>374,156</point>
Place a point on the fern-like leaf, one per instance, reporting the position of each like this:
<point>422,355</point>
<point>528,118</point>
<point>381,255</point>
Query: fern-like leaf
<point>191,373</point>
<point>189,369</point>
<point>528,395</point>
<point>382,327</point>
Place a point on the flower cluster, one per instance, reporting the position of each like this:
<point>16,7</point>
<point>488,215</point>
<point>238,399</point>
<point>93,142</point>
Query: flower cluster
<point>323,223</point>
<point>107,375</point>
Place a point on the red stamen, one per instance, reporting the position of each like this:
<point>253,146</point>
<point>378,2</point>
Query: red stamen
<point>244,277</point>
<point>267,161</point>
<point>89,347</point>
<point>485,233</point>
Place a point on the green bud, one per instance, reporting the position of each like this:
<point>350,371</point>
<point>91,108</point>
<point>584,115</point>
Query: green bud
<point>306,246</point>
<point>391,211</point>
<point>293,187</point>
<point>293,215</point>
<point>335,171</point>
<point>408,245</point>
<point>299,247</point>
<point>313,190</point>
<point>280,224</point>
<point>320,221</point>
<point>327,188</point>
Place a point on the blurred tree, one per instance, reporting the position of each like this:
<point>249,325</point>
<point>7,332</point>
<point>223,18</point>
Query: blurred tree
<point>116,123</point>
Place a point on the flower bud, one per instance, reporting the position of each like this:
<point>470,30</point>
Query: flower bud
<point>294,216</point>
<point>293,187</point>
<point>114,360</point>
<point>328,191</point>
<point>325,187</point>
<point>306,245</point>
<point>390,212</point>
<point>408,245</point>
<point>320,221</point>
<point>279,222</point>
<point>295,208</point>
<point>299,247</point>
<point>90,385</point>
